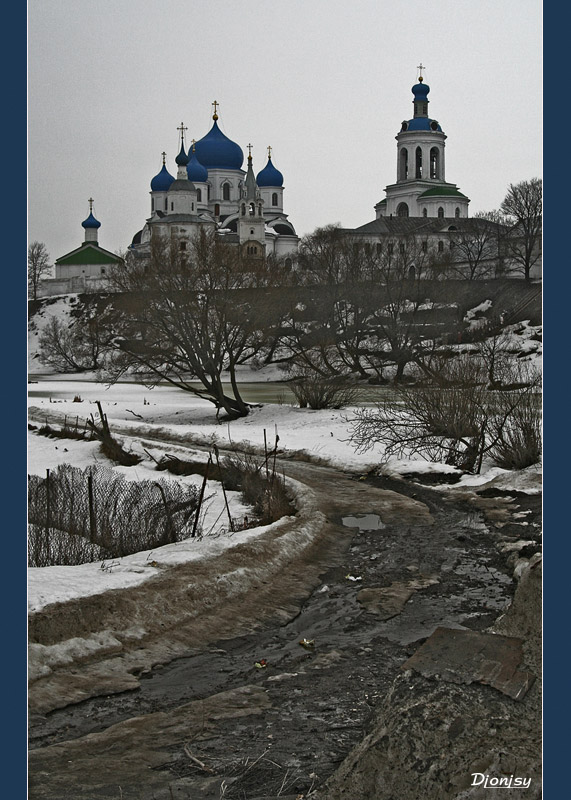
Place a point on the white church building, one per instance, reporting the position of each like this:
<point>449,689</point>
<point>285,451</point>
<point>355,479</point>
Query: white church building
<point>211,190</point>
<point>421,189</point>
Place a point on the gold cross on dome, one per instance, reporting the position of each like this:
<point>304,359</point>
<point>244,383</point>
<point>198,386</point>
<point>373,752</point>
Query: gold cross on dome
<point>215,104</point>
<point>420,68</point>
<point>90,201</point>
<point>269,151</point>
<point>182,129</point>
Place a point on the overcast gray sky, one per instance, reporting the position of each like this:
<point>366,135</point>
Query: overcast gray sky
<point>325,83</point>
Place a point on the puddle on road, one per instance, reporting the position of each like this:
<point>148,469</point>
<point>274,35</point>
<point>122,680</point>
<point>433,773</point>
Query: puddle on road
<point>365,522</point>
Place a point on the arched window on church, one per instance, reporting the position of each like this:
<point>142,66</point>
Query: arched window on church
<point>440,213</point>
<point>226,191</point>
<point>288,263</point>
<point>404,164</point>
<point>424,212</point>
<point>402,210</point>
<point>259,209</point>
<point>216,210</point>
<point>243,209</point>
<point>166,204</point>
<point>457,213</point>
<point>440,247</point>
<point>275,199</point>
<point>434,163</point>
<point>251,209</point>
<point>418,159</point>
<point>199,195</point>
<point>379,248</point>
<point>152,203</point>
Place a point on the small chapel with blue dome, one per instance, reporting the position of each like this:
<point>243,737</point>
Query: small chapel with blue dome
<point>87,266</point>
<point>211,190</point>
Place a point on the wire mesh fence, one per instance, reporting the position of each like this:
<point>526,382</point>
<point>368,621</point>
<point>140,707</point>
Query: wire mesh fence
<point>76,516</point>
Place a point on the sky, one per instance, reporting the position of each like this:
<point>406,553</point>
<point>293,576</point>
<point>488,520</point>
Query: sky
<point>325,83</point>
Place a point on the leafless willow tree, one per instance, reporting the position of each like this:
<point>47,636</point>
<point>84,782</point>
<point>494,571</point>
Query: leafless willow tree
<point>361,316</point>
<point>190,319</point>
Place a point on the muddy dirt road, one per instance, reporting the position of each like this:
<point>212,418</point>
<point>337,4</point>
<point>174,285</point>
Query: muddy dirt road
<point>265,692</point>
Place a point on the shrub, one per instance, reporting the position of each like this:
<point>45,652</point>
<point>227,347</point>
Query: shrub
<point>322,391</point>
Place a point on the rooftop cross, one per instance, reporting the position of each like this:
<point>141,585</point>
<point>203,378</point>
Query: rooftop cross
<point>420,68</point>
<point>215,104</point>
<point>164,155</point>
<point>249,151</point>
<point>193,141</point>
<point>90,201</point>
<point>269,151</point>
<point>182,129</point>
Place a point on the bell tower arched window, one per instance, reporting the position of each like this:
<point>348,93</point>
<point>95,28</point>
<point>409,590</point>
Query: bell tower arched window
<point>402,210</point>
<point>457,212</point>
<point>275,199</point>
<point>434,163</point>
<point>199,195</point>
<point>403,164</point>
<point>252,209</point>
<point>226,191</point>
<point>440,213</point>
<point>418,160</point>
<point>424,212</point>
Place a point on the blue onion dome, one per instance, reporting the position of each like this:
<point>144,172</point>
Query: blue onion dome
<point>91,222</point>
<point>269,176</point>
<point>421,124</point>
<point>163,180</point>
<point>420,91</point>
<point>182,158</point>
<point>196,171</point>
<point>217,150</point>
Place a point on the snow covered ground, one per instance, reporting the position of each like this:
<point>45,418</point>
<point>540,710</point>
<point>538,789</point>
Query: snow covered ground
<point>140,415</point>
<point>135,412</point>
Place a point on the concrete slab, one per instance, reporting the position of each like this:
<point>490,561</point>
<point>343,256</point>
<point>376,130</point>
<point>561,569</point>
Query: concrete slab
<point>464,656</point>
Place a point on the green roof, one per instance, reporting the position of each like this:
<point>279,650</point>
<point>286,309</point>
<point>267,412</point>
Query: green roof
<point>89,254</point>
<point>439,191</point>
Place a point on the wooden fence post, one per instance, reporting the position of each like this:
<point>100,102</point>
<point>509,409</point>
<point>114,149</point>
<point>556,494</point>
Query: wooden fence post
<point>92,518</point>
<point>48,520</point>
<point>201,496</point>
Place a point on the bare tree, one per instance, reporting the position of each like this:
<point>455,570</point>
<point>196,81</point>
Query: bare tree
<point>474,248</point>
<point>38,266</point>
<point>74,347</point>
<point>455,419</point>
<point>189,317</point>
<point>523,207</point>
